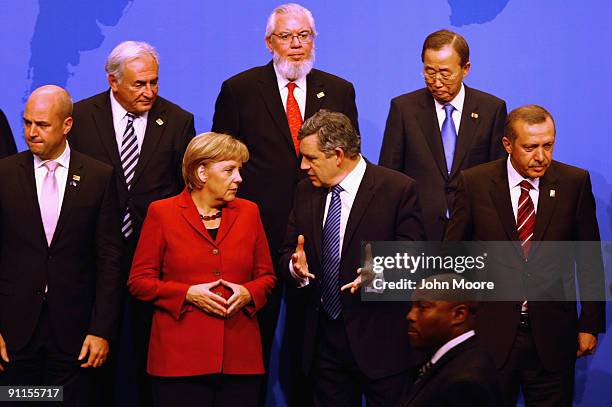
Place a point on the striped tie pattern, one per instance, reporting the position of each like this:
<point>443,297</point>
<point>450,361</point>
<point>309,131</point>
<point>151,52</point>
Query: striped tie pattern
<point>525,219</point>
<point>129,159</point>
<point>331,256</point>
<point>426,367</point>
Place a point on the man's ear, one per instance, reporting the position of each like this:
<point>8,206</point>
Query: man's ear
<point>507,144</point>
<point>339,155</point>
<point>460,313</point>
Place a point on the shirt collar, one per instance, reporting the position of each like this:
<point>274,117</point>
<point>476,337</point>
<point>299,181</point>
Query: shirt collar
<point>63,160</point>
<point>119,112</point>
<point>451,344</point>
<point>351,182</point>
<point>457,102</point>
<point>282,81</point>
<point>514,178</point>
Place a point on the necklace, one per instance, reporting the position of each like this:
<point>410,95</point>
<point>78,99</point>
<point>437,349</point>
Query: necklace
<point>211,217</point>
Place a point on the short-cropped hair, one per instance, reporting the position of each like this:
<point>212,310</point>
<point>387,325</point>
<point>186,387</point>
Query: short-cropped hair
<point>441,38</point>
<point>335,130</point>
<point>530,114</point>
<point>125,52</point>
<point>209,148</point>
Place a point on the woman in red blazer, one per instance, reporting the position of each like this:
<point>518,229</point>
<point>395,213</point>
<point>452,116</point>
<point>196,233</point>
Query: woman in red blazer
<point>203,261</point>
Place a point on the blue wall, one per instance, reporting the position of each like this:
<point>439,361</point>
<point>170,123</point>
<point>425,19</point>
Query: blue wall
<point>548,52</point>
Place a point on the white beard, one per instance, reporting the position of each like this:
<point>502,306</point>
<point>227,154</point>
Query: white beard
<point>292,70</point>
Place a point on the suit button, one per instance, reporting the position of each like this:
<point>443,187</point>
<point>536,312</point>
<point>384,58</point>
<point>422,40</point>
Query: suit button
<point>215,251</point>
<point>219,293</point>
<point>216,273</point>
<point>39,292</point>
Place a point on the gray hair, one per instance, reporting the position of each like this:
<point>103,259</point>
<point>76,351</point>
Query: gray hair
<point>335,130</point>
<point>126,51</point>
<point>292,9</point>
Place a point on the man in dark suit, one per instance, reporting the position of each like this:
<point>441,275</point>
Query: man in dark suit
<point>60,250</point>
<point>7,142</point>
<point>265,107</point>
<point>458,372</point>
<point>530,198</point>
<point>143,137</point>
<point>351,348</point>
<point>435,132</point>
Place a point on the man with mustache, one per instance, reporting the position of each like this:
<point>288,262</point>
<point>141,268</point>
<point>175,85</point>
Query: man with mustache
<point>264,107</point>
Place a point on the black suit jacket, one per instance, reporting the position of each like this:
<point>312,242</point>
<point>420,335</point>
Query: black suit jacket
<point>158,173</point>
<point>386,208</point>
<point>7,142</point>
<point>80,267</point>
<point>483,212</point>
<point>249,107</point>
<point>413,145</point>
<point>464,376</point>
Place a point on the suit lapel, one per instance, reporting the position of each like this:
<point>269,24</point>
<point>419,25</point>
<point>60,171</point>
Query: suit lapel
<point>156,123</point>
<point>430,128</point>
<point>318,208</point>
<point>365,193</point>
<point>500,194</point>
<point>268,87</point>
<point>191,216</point>
<point>467,130</point>
<point>315,94</point>
<point>103,118</point>
<point>76,175</point>
<point>229,214</point>
<point>547,202</point>
<point>28,183</point>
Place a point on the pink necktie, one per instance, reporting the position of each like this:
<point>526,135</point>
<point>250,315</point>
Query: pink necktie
<point>50,200</point>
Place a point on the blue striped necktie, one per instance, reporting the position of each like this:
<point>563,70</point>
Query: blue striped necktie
<point>129,159</point>
<point>449,136</point>
<point>331,256</point>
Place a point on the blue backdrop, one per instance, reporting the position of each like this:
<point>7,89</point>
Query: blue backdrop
<point>548,52</point>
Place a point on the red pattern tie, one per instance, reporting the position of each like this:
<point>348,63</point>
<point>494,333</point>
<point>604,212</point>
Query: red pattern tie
<point>294,117</point>
<point>525,218</point>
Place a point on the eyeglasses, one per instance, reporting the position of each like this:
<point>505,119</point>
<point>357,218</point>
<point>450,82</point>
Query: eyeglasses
<point>304,37</point>
<point>445,77</point>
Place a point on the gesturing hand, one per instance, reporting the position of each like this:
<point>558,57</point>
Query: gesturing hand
<point>202,297</point>
<point>240,297</point>
<point>3,353</point>
<point>98,351</point>
<point>586,344</point>
<point>365,274</point>
<point>298,260</point>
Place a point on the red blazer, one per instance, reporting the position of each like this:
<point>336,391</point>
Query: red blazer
<point>174,252</point>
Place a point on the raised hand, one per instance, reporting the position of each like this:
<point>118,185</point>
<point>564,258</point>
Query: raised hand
<point>298,260</point>
<point>365,274</point>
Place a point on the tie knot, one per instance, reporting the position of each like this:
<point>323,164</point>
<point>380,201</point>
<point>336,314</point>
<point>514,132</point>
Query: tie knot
<point>130,117</point>
<point>291,86</point>
<point>449,109</point>
<point>525,185</point>
<point>51,166</point>
<point>336,189</point>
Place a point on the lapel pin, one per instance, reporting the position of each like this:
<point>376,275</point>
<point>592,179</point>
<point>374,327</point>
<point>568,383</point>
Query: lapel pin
<point>320,95</point>
<point>553,193</point>
<point>474,115</point>
<point>75,179</point>
<point>159,121</point>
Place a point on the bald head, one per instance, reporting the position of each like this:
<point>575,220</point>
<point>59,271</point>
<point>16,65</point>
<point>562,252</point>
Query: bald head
<point>47,119</point>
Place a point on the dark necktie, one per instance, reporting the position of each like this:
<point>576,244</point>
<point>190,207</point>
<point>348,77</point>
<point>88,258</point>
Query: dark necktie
<point>423,371</point>
<point>449,136</point>
<point>331,256</point>
<point>294,117</point>
<point>129,159</point>
<point>525,217</point>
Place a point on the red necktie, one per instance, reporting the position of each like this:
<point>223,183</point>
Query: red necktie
<point>525,218</point>
<point>294,117</point>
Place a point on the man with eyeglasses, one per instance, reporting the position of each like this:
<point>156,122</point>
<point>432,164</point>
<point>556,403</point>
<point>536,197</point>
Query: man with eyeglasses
<point>265,107</point>
<point>434,133</point>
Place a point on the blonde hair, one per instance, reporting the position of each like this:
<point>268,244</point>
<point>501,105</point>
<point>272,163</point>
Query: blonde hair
<point>208,148</point>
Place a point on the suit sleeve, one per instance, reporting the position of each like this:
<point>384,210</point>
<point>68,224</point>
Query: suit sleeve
<point>496,149</point>
<point>460,223</point>
<point>226,118</point>
<point>589,264</point>
<point>264,277</point>
<point>410,220</point>
<point>350,108</point>
<point>145,282</point>
<point>109,280</point>
<point>392,149</point>
<point>7,142</point>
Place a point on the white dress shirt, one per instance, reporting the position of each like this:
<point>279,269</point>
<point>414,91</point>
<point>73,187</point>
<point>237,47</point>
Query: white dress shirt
<point>120,121</point>
<point>450,345</point>
<point>299,92</point>
<point>61,176</point>
<point>457,103</point>
<point>350,185</point>
<point>514,179</point>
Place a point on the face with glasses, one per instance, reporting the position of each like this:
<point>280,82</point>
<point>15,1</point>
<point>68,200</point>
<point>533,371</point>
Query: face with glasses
<point>443,73</point>
<point>292,44</point>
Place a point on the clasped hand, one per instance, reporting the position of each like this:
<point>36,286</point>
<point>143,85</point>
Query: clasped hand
<point>203,297</point>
